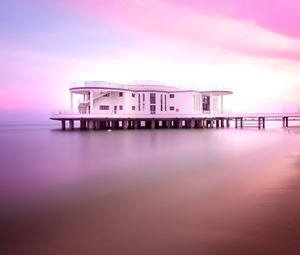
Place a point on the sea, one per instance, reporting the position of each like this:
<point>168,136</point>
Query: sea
<point>164,191</point>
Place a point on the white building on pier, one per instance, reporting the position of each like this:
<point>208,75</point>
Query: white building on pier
<point>98,98</point>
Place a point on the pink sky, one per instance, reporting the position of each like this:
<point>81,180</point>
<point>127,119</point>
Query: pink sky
<point>252,47</point>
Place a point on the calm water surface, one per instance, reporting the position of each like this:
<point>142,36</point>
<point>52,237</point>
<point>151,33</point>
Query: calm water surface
<point>149,192</point>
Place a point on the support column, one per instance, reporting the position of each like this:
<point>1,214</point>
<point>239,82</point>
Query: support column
<point>217,123</point>
<point>179,123</point>
<point>193,123</point>
<point>130,124</point>
<point>227,123</point>
<point>106,124</point>
<point>81,124</point>
<point>176,123</point>
<point>222,122</point>
<point>90,124</point>
<point>172,124</point>
<point>200,123</point>
<point>125,124</point>
<point>63,124</point>
<point>135,124</point>
<point>285,122</point>
<point>207,123</point>
<point>168,123</point>
<point>71,124</point>
<point>187,124</point>
<point>152,124</point>
<point>97,124</point>
<point>236,122</point>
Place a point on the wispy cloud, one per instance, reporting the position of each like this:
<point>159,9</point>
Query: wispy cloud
<point>279,16</point>
<point>183,21</point>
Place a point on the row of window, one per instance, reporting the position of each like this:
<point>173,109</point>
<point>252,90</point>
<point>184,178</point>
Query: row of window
<point>133,94</point>
<point>120,94</point>
<point>106,108</point>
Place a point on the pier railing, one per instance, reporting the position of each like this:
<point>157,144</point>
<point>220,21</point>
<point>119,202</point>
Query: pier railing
<point>261,114</point>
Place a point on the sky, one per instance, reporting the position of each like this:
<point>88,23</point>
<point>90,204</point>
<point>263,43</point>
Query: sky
<point>249,46</point>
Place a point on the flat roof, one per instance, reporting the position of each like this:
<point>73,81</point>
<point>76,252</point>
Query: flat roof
<point>140,87</point>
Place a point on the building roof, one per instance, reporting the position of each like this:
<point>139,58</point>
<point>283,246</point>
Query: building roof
<point>141,86</point>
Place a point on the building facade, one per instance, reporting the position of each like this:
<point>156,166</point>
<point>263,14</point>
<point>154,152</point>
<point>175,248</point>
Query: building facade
<point>139,100</point>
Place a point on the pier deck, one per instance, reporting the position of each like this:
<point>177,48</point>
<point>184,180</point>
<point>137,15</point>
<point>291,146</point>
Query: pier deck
<point>100,122</point>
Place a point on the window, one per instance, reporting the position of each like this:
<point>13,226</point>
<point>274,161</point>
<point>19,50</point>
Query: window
<point>165,103</point>
<point>104,107</point>
<point>172,96</point>
<point>161,102</point>
<point>120,94</point>
<point>206,103</point>
<point>152,98</point>
<point>143,101</point>
<point>152,109</point>
<point>139,102</point>
<point>172,108</point>
<point>106,95</point>
<point>133,108</point>
<point>133,95</point>
<point>120,107</point>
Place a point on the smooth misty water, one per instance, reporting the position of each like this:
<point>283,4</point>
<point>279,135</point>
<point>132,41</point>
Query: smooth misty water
<point>147,192</point>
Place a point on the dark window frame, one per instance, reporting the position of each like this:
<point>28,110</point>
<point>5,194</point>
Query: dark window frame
<point>152,98</point>
<point>144,97</point>
<point>104,107</point>
<point>206,104</point>
<point>139,101</point>
<point>153,109</point>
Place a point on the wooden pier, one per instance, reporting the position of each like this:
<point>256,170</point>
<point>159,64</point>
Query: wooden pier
<point>89,122</point>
